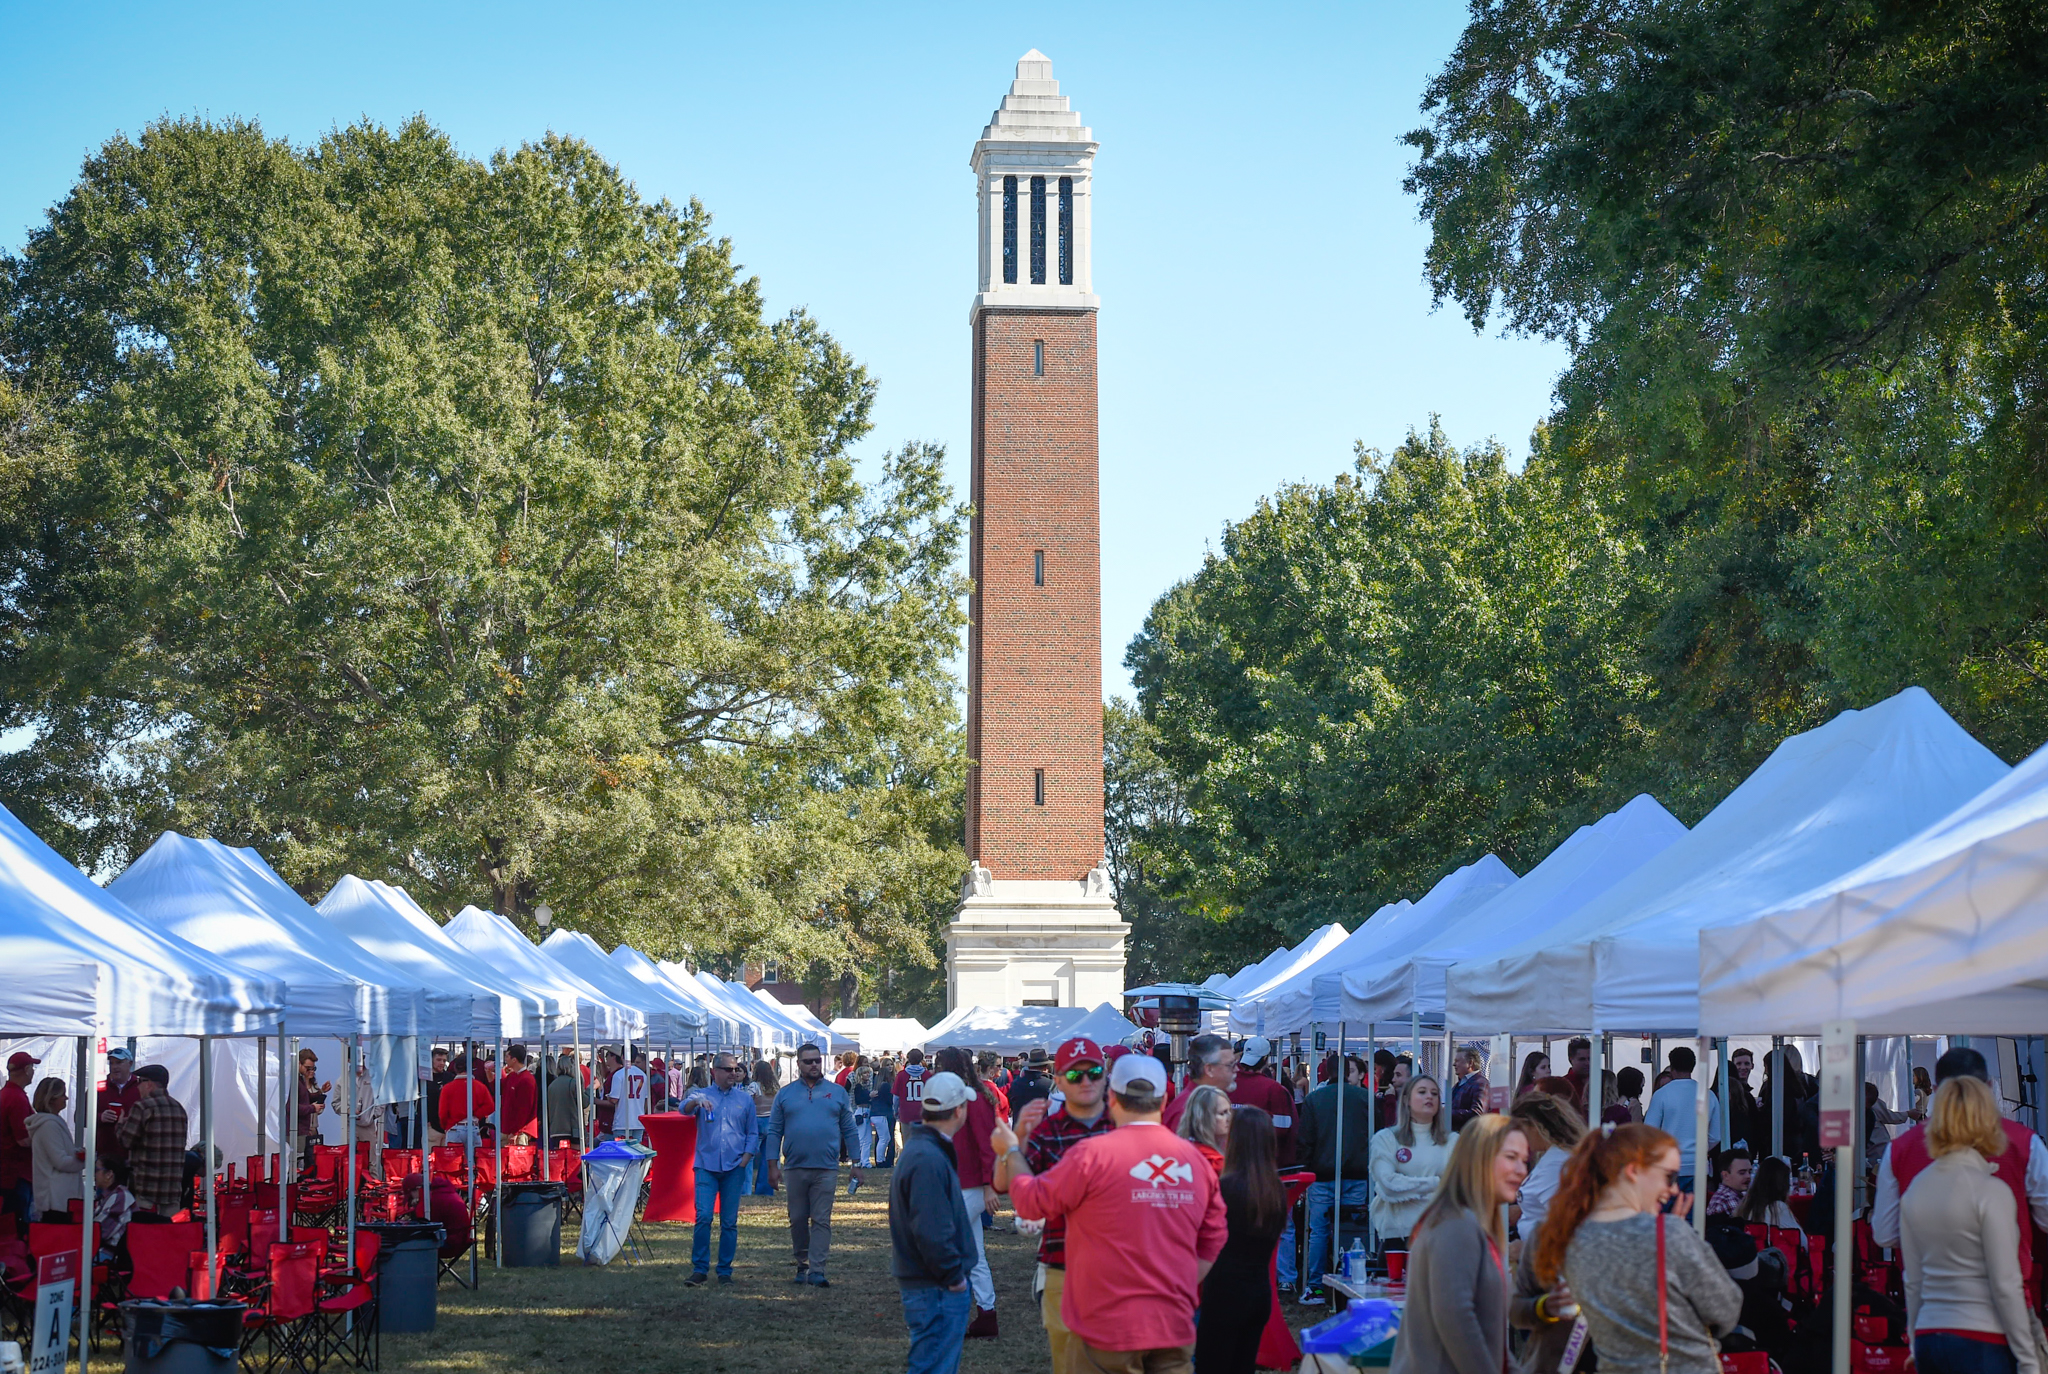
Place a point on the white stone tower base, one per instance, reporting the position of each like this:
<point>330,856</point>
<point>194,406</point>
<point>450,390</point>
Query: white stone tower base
<point>1018,943</point>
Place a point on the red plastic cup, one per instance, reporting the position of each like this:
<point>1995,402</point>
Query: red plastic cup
<point>1397,1265</point>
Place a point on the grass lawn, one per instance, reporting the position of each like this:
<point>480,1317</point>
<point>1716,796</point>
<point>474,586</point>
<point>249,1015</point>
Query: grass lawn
<point>630,1317</point>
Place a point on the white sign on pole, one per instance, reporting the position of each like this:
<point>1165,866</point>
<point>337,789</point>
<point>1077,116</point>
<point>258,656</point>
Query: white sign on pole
<point>1838,1087</point>
<point>56,1285</point>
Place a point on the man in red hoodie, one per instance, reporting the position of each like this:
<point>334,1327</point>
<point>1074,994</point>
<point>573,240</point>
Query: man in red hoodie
<point>1145,1221</point>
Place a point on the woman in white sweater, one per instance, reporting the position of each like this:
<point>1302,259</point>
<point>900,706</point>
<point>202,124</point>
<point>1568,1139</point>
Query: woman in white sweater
<point>59,1165</point>
<point>1408,1159</point>
<point>1959,1234</point>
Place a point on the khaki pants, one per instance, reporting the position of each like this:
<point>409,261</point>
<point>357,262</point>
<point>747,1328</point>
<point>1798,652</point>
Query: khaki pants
<point>1084,1358</point>
<point>1054,1282</point>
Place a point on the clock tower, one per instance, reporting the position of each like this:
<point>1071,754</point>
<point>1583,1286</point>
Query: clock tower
<point>1036,924</point>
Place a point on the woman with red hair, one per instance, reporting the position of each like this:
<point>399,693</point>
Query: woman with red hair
<point>1653,1294</point>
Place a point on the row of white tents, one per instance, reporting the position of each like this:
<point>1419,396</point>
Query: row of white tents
<point>1884,867</point>
<point>196,940</point>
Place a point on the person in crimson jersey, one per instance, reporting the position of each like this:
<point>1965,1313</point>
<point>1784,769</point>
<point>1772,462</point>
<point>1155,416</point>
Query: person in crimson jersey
<point>466,1098</point>
<point>1080,1071</point>
<point>117,1096</point>
<point>17,1156</point>
<point>518,1099</point>
<point>1145,1223</point>
<point>2023,1168</point>
<point>908,1090</point>
<point>1255,1088</point>
<point>976,1168</point>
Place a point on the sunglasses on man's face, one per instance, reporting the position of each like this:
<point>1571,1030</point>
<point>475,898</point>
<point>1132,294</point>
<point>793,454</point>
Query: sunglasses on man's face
<point>807,1063</point>
<point>1090,1073</point>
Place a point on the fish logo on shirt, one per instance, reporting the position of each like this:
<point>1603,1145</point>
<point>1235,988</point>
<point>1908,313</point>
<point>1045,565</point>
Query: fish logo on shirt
<point>1162,1169</point>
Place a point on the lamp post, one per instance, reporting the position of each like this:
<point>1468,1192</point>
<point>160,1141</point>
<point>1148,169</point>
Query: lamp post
<point>543,915</point>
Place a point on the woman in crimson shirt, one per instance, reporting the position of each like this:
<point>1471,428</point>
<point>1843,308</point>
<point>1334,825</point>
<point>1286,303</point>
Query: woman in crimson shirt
<point>977,1165</point>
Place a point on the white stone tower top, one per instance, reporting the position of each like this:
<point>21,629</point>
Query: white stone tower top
<point>1034,164</point>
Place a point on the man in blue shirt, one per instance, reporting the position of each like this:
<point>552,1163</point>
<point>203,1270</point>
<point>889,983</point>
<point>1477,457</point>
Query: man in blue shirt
<point>809,1127</point>
<point>725,1147</point>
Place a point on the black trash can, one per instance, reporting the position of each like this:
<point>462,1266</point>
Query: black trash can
<point>408,1274</point>
<point>531,1237</point>
<point>181,1337</point>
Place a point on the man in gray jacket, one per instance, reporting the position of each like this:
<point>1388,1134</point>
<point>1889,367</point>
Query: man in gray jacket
<point>931,1241</point>
<point>809,1125</point>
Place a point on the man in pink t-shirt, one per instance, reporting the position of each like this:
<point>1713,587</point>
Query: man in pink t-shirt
<point>1144,1223</point>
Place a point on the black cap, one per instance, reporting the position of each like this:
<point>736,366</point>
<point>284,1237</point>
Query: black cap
<point>1961,1062</point>
<point>155,1073</point>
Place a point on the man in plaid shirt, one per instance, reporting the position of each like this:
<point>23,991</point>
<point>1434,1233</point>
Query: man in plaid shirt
<point>1078,1071</point>
<point>153,1133</point>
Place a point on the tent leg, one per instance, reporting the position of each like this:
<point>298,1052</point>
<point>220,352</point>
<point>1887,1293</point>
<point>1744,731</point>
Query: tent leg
<point>1845,1246</point>
<point>355,1116</point>
<point>1337,1193</point>
<point>1778,1095</point>
<point>498,1153</point>
<point>1596,1080</point>
<point>1701,1151</point>
<point>1724,1069</point>
<point>582,1121</point>
<point>469,1103</point>
<point>288,1121</point>
<point>87,1109</point>
<point>547,1140</point>
<point>262,1099</point>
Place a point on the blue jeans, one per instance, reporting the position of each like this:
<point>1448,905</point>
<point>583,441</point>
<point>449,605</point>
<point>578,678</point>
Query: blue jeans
<point>1319,1197</point>
<point>1285,1255</point>
<point>762,1187</point>
<point>722,1186</point>
<point>938,1328</point>
<point>1938,1354</point>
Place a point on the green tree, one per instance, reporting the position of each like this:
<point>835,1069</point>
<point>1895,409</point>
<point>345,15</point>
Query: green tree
<point>1383,678</point>
<point>466,523</point>
<point>1796,252</point>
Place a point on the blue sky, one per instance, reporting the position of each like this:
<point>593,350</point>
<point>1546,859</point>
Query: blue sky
<point>1259,266</point>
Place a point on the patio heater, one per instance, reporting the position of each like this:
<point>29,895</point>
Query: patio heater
<point>1180,1017</point>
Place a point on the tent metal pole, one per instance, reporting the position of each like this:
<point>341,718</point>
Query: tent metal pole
<point>1596,1080</point>
<point>1337,1189</point>
<point>354,1118</point>
<point>1778,1095</point>
<point>498,1153</point>
<point>288,1121</point>
<point>469,1119</point>
<point>88,1106</point>
<point>262,1103</point>
<point>547,1141</point>
<point>207,1164</point>
<point>1725,1070</point>
<point>1845,1246</point>
<point>582,1121</point>
<point>1701,1103</point>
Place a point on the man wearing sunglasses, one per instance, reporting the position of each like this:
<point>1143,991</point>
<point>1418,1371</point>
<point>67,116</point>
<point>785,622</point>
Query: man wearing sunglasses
<point>726,1135</point>
<point>809,1125</point>
<point>1078,1070</point>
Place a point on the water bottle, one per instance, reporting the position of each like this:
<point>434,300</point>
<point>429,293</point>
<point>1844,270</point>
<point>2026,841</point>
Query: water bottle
<point>1354,1260</point>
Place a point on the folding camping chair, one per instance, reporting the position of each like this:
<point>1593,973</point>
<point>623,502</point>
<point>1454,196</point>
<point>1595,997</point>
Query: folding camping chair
<point>346,1313</point>
<point>282,1313</point>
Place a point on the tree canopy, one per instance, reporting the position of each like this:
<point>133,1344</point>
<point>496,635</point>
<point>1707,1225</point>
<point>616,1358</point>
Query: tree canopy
<point>1795,462</point>
<point>467,524</point>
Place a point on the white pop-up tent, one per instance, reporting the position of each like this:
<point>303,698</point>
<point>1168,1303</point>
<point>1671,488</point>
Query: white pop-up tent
<point>881,1034</point>
<point>665,1017</point>
<point>1008,1030</point>
<point>215,897</point>
<point>1429,984</point>
<point>718,1033</point>
<point>87,965</point>
<point>497,942</point>
<point>1314,994</point>
<point>1822,804</point>
<point>768,1032</point>
<point>1945,933</point>
<point>1251,988</point>
<point>808,1026</point>
<point>947,1022</point>
<point>386,921</point>
<point>1443,908</point>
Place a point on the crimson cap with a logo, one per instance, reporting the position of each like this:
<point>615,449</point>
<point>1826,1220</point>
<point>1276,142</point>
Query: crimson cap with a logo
<point>1133,1069</point>
<point>21,1059</point>
<point>1079,1050</point>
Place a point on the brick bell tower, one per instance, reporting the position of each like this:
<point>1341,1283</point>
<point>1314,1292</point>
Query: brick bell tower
<point>1036,925</point>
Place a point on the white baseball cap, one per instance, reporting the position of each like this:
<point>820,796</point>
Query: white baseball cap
<point>945,1091</point>
<point>1132,1069</point>
<point>1255,1051</point>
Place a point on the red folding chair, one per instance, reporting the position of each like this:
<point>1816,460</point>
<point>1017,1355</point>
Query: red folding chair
<point>283,1312</point>
<point>452,1161</point>
<point>522,1163</point>
<point>347,1310</point>
<point>161,1256</point>
<point>316,1236</point>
